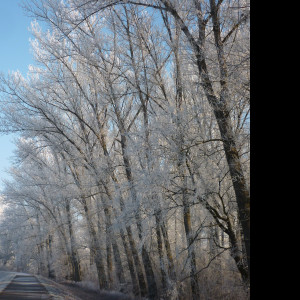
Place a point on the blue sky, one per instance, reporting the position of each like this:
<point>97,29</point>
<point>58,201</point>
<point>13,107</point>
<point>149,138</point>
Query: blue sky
<point>14,55</point>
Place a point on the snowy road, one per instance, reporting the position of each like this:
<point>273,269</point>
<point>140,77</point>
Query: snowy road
<point>5,279</point>
<point>23,287</point>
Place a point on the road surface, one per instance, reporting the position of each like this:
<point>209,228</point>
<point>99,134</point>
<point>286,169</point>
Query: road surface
<point>24,287</point>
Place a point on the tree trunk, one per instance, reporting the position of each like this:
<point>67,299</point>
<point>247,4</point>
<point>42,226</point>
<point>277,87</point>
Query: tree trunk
<point>152,288</point>
<point>221,111</point>
<point>51,271</point>
<point>138,265</point>
<point>171,267</point>
<point>110,234</point>
<point>160,251</point>
<point>191,251</point>
<point>96,249</point>
<point>75,273</point>
<point>134,280</point>
<point>109,261</point>
<point>141,279</point>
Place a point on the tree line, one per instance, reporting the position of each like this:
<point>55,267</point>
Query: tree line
<point>132,163</point>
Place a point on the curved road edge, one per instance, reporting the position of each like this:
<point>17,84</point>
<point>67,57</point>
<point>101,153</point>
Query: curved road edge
<point>6,278</point>
<point>55,290</point>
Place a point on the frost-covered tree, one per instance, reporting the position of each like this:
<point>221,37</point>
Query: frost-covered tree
<point>135,144</point>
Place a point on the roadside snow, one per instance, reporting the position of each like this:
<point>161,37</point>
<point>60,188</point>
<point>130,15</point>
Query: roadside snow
<point>56,290</point>
<point>78,291</point>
